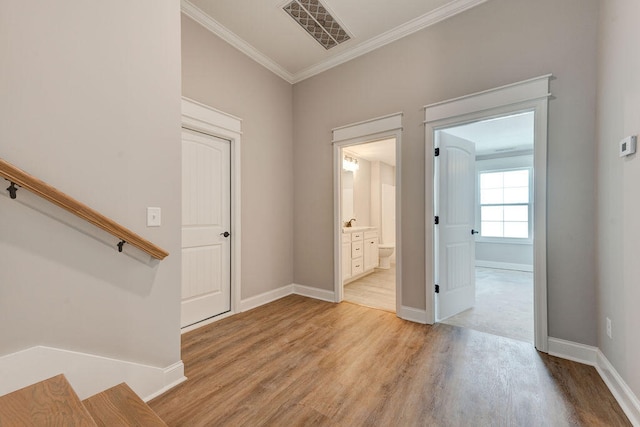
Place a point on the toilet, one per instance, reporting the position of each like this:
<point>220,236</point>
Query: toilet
<point>385,250</point>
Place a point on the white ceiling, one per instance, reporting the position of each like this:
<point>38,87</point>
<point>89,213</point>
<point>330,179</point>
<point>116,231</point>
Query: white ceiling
<point>264,31</point>
<point>499,135</point>
<point>382,151</point>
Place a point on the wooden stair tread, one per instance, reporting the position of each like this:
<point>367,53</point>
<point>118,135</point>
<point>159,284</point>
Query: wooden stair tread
<point>121,406</point>
<point>50,402</point>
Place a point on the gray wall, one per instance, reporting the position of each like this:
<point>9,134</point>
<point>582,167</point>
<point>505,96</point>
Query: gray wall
<point>499,42</point>
<point>618,178</point>
<point>91,104</point>
<point>218,75</point>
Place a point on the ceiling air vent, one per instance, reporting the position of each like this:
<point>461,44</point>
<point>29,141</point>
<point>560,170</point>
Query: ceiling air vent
<point>314,18</point>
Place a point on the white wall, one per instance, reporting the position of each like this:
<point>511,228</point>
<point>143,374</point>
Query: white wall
<point>503,252</point>
<point>618,231</point>
<point>496,43</point>
<point>218,75</point>
<point>91,104</point>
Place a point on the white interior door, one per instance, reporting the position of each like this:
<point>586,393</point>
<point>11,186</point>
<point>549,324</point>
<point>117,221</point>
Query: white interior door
<point>206,223</point>
<point>455,272</point>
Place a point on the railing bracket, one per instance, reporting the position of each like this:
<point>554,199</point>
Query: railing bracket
<point>12,189</point>
<point>120,245</point>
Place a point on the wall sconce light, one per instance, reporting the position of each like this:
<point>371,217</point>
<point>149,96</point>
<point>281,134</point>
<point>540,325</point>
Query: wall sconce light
<point>350,164</point>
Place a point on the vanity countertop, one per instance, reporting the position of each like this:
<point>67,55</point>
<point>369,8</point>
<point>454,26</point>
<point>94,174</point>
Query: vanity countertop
<point>356,229</point>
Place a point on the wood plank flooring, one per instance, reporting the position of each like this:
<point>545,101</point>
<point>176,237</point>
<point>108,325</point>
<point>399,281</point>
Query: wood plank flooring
<point>121,406</point>
<point>299,361</point>
<point>51,402</point>
<point>376,290</point>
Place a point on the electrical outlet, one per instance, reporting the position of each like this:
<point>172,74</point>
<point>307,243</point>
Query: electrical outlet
<point>609,327</point>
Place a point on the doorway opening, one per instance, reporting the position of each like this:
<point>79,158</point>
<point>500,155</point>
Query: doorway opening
<point>450,238</point>
<point>500,299</point>
<point>359,142</point>
<point>368,223</point>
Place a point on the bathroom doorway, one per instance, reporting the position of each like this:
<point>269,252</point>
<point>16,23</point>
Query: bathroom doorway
<point>368,223</point>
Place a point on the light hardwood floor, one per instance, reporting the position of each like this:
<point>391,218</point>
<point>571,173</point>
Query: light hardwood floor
<point>303,362</point>
<point>376,290</point>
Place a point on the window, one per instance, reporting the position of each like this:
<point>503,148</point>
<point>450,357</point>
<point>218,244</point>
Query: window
<point>505,204</point>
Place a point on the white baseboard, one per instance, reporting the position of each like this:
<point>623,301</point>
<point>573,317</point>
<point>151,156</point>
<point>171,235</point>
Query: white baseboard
<point>315,293</point>
<point>573,351</point>
<point>589,355</point>
<point>88,374</point>
<point>265,298</point>
<point>627,400</point>
<point>206,322</point>
<point>413,315</point>
<point>504,265</point>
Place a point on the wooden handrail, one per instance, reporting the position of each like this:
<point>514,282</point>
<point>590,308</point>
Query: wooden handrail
<point>57,197</point>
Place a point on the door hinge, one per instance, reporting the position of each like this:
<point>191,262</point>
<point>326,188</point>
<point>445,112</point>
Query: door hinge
<point>437,152</point>
<point>437,289</point>
<point>436,220</point>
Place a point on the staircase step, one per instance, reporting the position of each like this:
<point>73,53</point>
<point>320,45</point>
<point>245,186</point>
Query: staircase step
<point>50,402</point>
<point>121,406</point>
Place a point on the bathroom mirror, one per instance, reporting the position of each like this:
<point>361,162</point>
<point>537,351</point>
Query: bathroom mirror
<point>347,195</point>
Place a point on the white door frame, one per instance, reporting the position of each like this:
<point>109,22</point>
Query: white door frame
<point>528,95</point>
<point>376,129</point>
<point>204,119</point>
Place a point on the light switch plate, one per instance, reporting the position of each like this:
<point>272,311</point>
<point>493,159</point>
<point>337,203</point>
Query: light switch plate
<point>154,217</point>
<point>628,146</point>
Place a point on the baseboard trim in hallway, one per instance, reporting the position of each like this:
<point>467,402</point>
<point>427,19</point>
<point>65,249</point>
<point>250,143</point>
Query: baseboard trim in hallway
<point>592,356</point>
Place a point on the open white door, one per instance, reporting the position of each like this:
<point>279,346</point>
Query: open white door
<point>455,247</point>
<point>206,222</point>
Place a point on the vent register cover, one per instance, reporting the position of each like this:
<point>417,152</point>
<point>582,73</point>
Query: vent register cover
<point>314,18</point>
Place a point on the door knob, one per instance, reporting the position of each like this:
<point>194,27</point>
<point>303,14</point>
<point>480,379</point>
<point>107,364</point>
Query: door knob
<point>225,234</point>
<point>474,232</point>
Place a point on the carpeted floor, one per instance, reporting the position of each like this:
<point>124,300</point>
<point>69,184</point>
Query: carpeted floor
<point>504,305</point>
<point>504,301</point>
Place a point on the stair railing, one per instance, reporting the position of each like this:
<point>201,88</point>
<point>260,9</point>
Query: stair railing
<point>21,179</point>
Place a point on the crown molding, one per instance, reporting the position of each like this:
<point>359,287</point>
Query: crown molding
<point>440,14</point>
<point>437,15</point>
<point>225,34</point>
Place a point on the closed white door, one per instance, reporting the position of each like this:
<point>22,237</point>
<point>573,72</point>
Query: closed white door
<point>455,273</point>
<point>206,224</point>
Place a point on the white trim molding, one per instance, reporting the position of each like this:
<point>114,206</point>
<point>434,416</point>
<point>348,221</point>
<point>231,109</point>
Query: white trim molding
<point>446,11</point>
<point>528,95</point>
<point>315,293</point>
<point>88,373</point>
<point>195,13</point>
<point>376,129</point>
<point>626,398</point>
<point>208,120</point>
<point>265,298</point>
<point>592,356</point>
<point>413,314</point>
<point>570,350</point>
<point>504,265</point>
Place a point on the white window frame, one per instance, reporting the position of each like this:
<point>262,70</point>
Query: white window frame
<point>505,240</point>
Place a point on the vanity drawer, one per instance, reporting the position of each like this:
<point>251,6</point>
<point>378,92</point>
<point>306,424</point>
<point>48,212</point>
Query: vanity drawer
<point>346,237</point>
<point>356,236</point>
<point>356,249</point>
<point>357,266</point>
<point>370,234</point>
